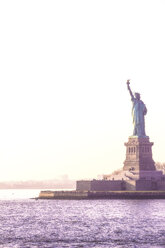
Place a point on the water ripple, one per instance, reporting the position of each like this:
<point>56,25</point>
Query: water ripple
<point>95,223</point>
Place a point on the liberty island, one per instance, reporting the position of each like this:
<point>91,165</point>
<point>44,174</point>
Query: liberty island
<point>138,178</point>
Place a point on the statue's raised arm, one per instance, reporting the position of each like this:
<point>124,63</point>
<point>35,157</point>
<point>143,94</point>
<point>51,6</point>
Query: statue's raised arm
<point>130,91</point>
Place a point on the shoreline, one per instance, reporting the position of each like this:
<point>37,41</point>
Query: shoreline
<point>89,195</point>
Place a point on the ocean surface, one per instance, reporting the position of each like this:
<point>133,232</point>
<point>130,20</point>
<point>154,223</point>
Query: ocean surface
<point>26,223</point>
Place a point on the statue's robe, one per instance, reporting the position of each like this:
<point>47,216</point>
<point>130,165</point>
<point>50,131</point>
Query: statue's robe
<point>138,111</point>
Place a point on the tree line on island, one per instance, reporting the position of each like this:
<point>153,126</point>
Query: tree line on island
<point>158,165</point>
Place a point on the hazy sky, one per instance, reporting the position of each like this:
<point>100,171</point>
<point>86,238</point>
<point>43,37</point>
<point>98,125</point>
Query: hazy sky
<point>64,104</point>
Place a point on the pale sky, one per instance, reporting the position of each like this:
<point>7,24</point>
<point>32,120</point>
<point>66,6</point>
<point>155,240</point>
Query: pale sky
<point>64,103</point>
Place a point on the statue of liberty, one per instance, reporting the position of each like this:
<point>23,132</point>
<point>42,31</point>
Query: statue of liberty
<point>139,110</point>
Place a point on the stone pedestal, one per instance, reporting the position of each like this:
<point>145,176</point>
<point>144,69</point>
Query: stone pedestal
<point>139,172</point>
<point>139,162</point>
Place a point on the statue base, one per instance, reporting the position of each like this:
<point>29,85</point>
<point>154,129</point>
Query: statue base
<point>139,172</point>
<point>139,156</point>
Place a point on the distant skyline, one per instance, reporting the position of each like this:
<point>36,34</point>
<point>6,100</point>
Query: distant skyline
<point>64,103</point>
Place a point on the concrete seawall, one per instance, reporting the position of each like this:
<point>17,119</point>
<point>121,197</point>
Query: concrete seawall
<point>79,195</point>
<point>63,195</point>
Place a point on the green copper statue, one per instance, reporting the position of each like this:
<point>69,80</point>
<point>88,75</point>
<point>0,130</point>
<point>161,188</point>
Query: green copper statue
<point>139,110</point>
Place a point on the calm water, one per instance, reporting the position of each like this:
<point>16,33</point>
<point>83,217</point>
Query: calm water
<point>63,223</point>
